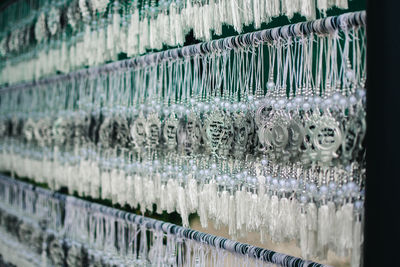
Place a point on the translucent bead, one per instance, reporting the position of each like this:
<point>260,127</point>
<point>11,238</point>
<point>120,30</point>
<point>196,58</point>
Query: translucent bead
<point>358,205</point>
<point>289,105</point>
<point>298,100</point>
<point>327,103</point>
<point>336,97</point>
<point>235,107</point>
<point>350,74</point>
<point>343,101</point>
<point>361,92</point>
<point>323,190</point>
<point>270,85</point>
<point>306,106</point>
<point>317,100</point>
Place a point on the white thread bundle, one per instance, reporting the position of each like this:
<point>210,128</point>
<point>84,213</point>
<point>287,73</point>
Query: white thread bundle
<point>169,26</point>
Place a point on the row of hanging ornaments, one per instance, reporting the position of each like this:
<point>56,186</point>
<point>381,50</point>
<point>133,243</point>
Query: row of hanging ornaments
<point>61,230</point>
<point>258,138</point>
<point>71,34</point>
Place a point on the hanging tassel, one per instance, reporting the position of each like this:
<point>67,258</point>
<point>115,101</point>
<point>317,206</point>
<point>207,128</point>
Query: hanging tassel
<point>303,235</point>
<point>236,21</point>
<point>138,192</point>
<point>149,195</point>
<point>203,207</point>
<point>256,13</point>
<point>114,185</point>
<point>347,227</point>
<point>273,219</point>
<point>223,213</point>
<point>324,226</point>
<point>182,208</point>
<point>312,223</point>
<point>171,193</point>
<point>163,197</point>
<point>212,199</point>
<point>284,218</point>
<point>308,9</point>
<point>253,219</point>
<point>322,6</point>
<point>129,191</point>
<point>357,244</point>
<point>192,195</point>
<point>292,225</point>
<point>122,192</point>
<point>133,33</point>
<point>342,4</point>
<point>232,217</point>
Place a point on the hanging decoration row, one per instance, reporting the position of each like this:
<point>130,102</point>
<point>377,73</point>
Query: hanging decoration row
<point>70,34</point>
<point>59,228</point>
<point>260,132</point>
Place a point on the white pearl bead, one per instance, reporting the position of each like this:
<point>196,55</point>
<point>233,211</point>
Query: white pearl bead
<point>327,102</point>
<point>282,101</point>
<point>243,107</point>
<point>323,189</point>
<point>343,101</point>
<point>303,199</point>
<point>235,107</point>
<point>336,97</point>
<point>270,85</point>
<point>250,98</point>
<point>192,101</point>
<point>352,100</point>
<point>306,106</point>
<point>361,92</point>
<point>317,100</point>
<point>298,100</point>
<point>350,74</point>
<point>217,100</point>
